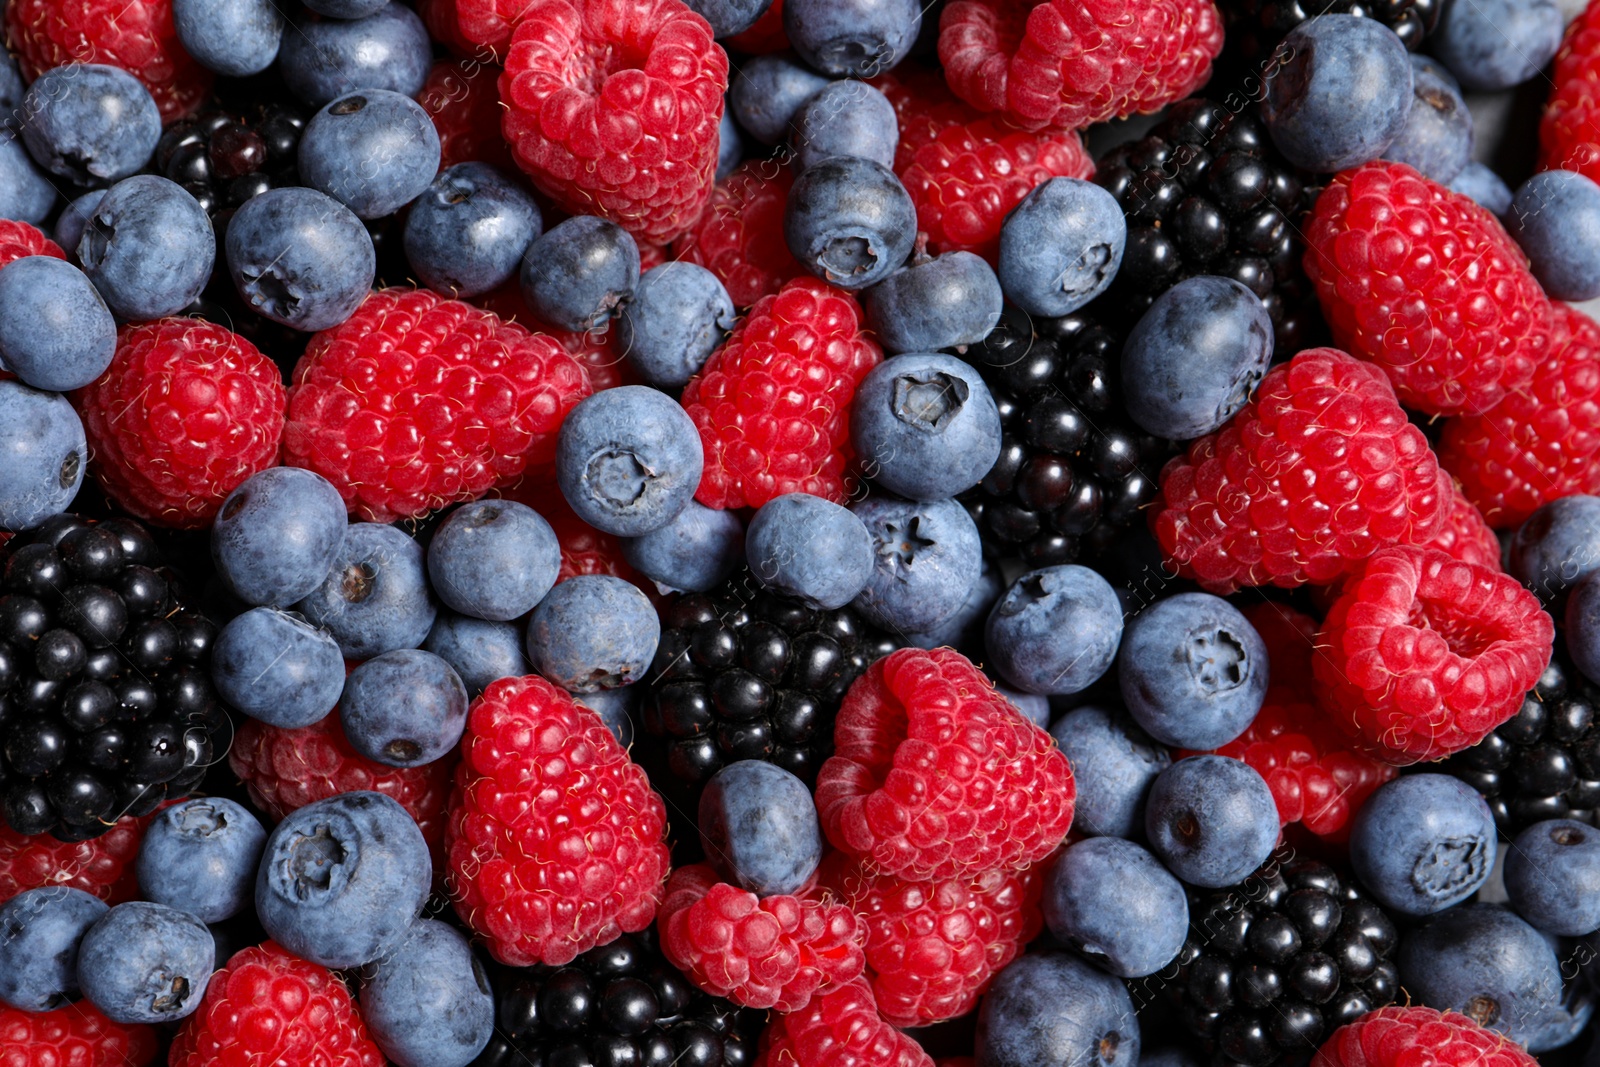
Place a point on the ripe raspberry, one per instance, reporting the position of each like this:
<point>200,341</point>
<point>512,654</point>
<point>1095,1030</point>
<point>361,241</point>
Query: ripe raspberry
<point>613,108</point>
<point>1318,471</point>
<point>136,35</point>
<point>932,947</point>
<point>839,1029</point>
<point>186,411</point>
<point>1465,536</point>
<point>267,1008</point>
<point>759,952</point>
<point>766,35</point>
<point>740,236</point>
<point>1425,283</point>
<point>1069,64</point>
<point>102,865</point>
<point>439,16</point>
<point>1419,1037</point>
<point>924,107</point>
<point>1569,132</point>
<point>1290,637</point>
<point>556,840</point>
<point>773,403</point>
<point>18,239</point>
<point>74,1036</point>
<point>596,350</point>
<point>1423,655</point>
<point>416,402</point>
<point>485,25</point>
<point>935,775</point>
<point>463,100</point>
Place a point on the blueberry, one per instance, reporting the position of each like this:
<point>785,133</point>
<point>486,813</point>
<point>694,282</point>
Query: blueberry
<point>277,535</point>
<point>593,632</point>
<point>25,193</point>
<point>346,9</point>
<point>323,59</point>
<point>767,94</point>
<point>1422,843</point>
<point>926,559</point>
<point>845,118</point>
<point>200,857</point>
<point>1052,1007</point>
<point>964,628</point>
<point>1114,764</point>
<point>1555,217</point>
<point>480,652</point>
<point>373,150</point>
<point>925,426</point>
<point>730,146</point>
<point>615,708</point>
<point>698,550</point>
<point>728,17</point>
<point>405,708</point>
<point>12,89</point>
<point>1055,631</point>
<point>1564,1024</point>
<point>579,271</point>
<point>494,559</point>
<point>1112,901</point>
<point>1582,621</point>
<point>759,827</point>
<point>676,318</point>
<point>148,248</point>
<point>950,301</point>
<point>1495,44</point>
<point>56,332</point>
<point>300,258</point>
<point>628,460</point>
<point>1556,547</point>
<point>1552,875</point>
<point>89,123</point>
<point>342,880</point>
<point>232,37</point>
<point>145,963</point>
<point>43,454</point>
<point>1437,138</point>
<point>855,38</point>
<point>1061,246</point>
<point>428,1003</point>
<point>40,930</point>
<point>1193,671</point>
<point>849,221</point>
<point>375,597</point>
<point>1485,186</point>
<point>466,234</point>
<point>276,667</point>
<point>1340,94</point>
<point>74,219</point>
<point>811,549</point>
<point>1211,819</point>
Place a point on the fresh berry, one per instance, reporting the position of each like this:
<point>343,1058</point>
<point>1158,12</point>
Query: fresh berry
<point>849,221</point>
<point>464,101</point>
<point>495,559</point>
<point>1089,907</point>
<point>845,118</point>
<point>223,158</point>
<point>1061,247</point>
<point>103,866</point>
<point>579,272</point>
<point>1466,536</point>
<point>1569,132</point>
<point>1192,670</point>
<point>1550,875</point>
<point>56,332</point>
<point>404,708</point>
<point>739,238</point>
<point>677,317</point>
<point>1211,820</point>
<point>133,941</point>
<point>200,856</point>
<point>927,562</point>
<point>1437,138</point>
<point>466,234</point>
<point>764,35</point>
<point>1055,631</point>
<point>429,1000</point>
<point>767,94</point>
<point>1113,764</point>
<point>925,426</point>
<point>810,549</point>
<point>1056,1007</point>
<point>1256,26</point>
<point>593,633</point>
<point>1554,218</point>
<point>89,123</point>
<point>375,598</point>
<point>1497,44</point>
<point>39,956</point>
<point>300,259</point>
<point>322,59</point>
<point>856,40</point>
<point>694,553</point>
<point>839,1029</point>
<point>1393,1036</point>
<point>373,150</point>
<point>758,828</point>
<point>18,239</point>
<point>1552,551</point>
<point>77,1035</point>
<point>629,460</point>
<point>949,301</point>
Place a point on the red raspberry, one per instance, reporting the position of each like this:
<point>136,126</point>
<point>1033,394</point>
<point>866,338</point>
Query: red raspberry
<point>1290,637</point>
<point>1569,133</point>
<point>932,947</point>
<point>759,952</point>
<point>416,402</point>
<point>102,865</point>
<point>1539,443</point>
<point>1318,471</point>
<point>839,1029</point>
<point>186,411</point>
<point>740,236</point>
<point>136,35</point>
<point>1426,284</point>
<point>1069,64</point>
<point>268,1008</point>
<point>595,349</point>
<point>485,25</point>
<point>924,107</point>
<point>74,1036</point>
<point>18,239</point>
<point>439,16</point>
<point>1465,536</point>
<point>935,775</point>
<point>773,403</point>
<point>1422,655</point>
<point>1419,1037</point>
<point>766,35</point>
<point>463,99</point>
<point>613,108</point>
<point>556,840</point>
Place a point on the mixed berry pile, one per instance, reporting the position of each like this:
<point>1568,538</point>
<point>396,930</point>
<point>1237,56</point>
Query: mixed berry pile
<point>799,533</point>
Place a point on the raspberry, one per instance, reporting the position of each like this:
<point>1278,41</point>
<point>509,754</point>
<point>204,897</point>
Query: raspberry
<point>773,403</point>
<point>924,107</point>
<point>556,840</point>
<point>186,411</point>
<point>74,1036</point>
<point>1539,443</point>
<point>267,1008</point>
<point>839,1029</point>
<point>1422,655</point>
<point>759,952</point>
<point>416,402</point>
<point>1070,64</point>
<point>1569,132</point>
<point>740,236</point>
<point>932,947</point>
<point>483,24</point>
<point>463,100</point>
<point>935,776</point>
<point>766,35</point>
<point>136,35</point>
<point>18,239</point>
<point>439,16</point>
<point>1425,283</point>
<point>1419,1037</point>
<point>1318,471</point>
<point>613,108</point>
<point>1465,536</point>
<point>594,349</point>
<point>1290,637</point>
<point>102,865</point>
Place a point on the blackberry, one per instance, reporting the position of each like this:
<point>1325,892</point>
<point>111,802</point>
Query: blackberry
<point>226,156</point>
<point>619,1005</point>
<point>1254,27</point>
<point>1275,964</point>
<point>106,703</point>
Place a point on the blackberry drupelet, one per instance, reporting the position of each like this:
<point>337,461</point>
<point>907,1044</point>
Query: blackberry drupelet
<point>1277,963</point>
<point>619,1005</point>
<point>106,702</point>
<point>226,156</point>
<point>1254,27</point>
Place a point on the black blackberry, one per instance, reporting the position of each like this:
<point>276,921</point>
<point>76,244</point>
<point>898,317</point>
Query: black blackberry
<point>620,1005</point>
<point>106,703</point>
<point>1206,193</point>
<point>1254,27</point>
<point>224,157</point>
<point>1277,963</point>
